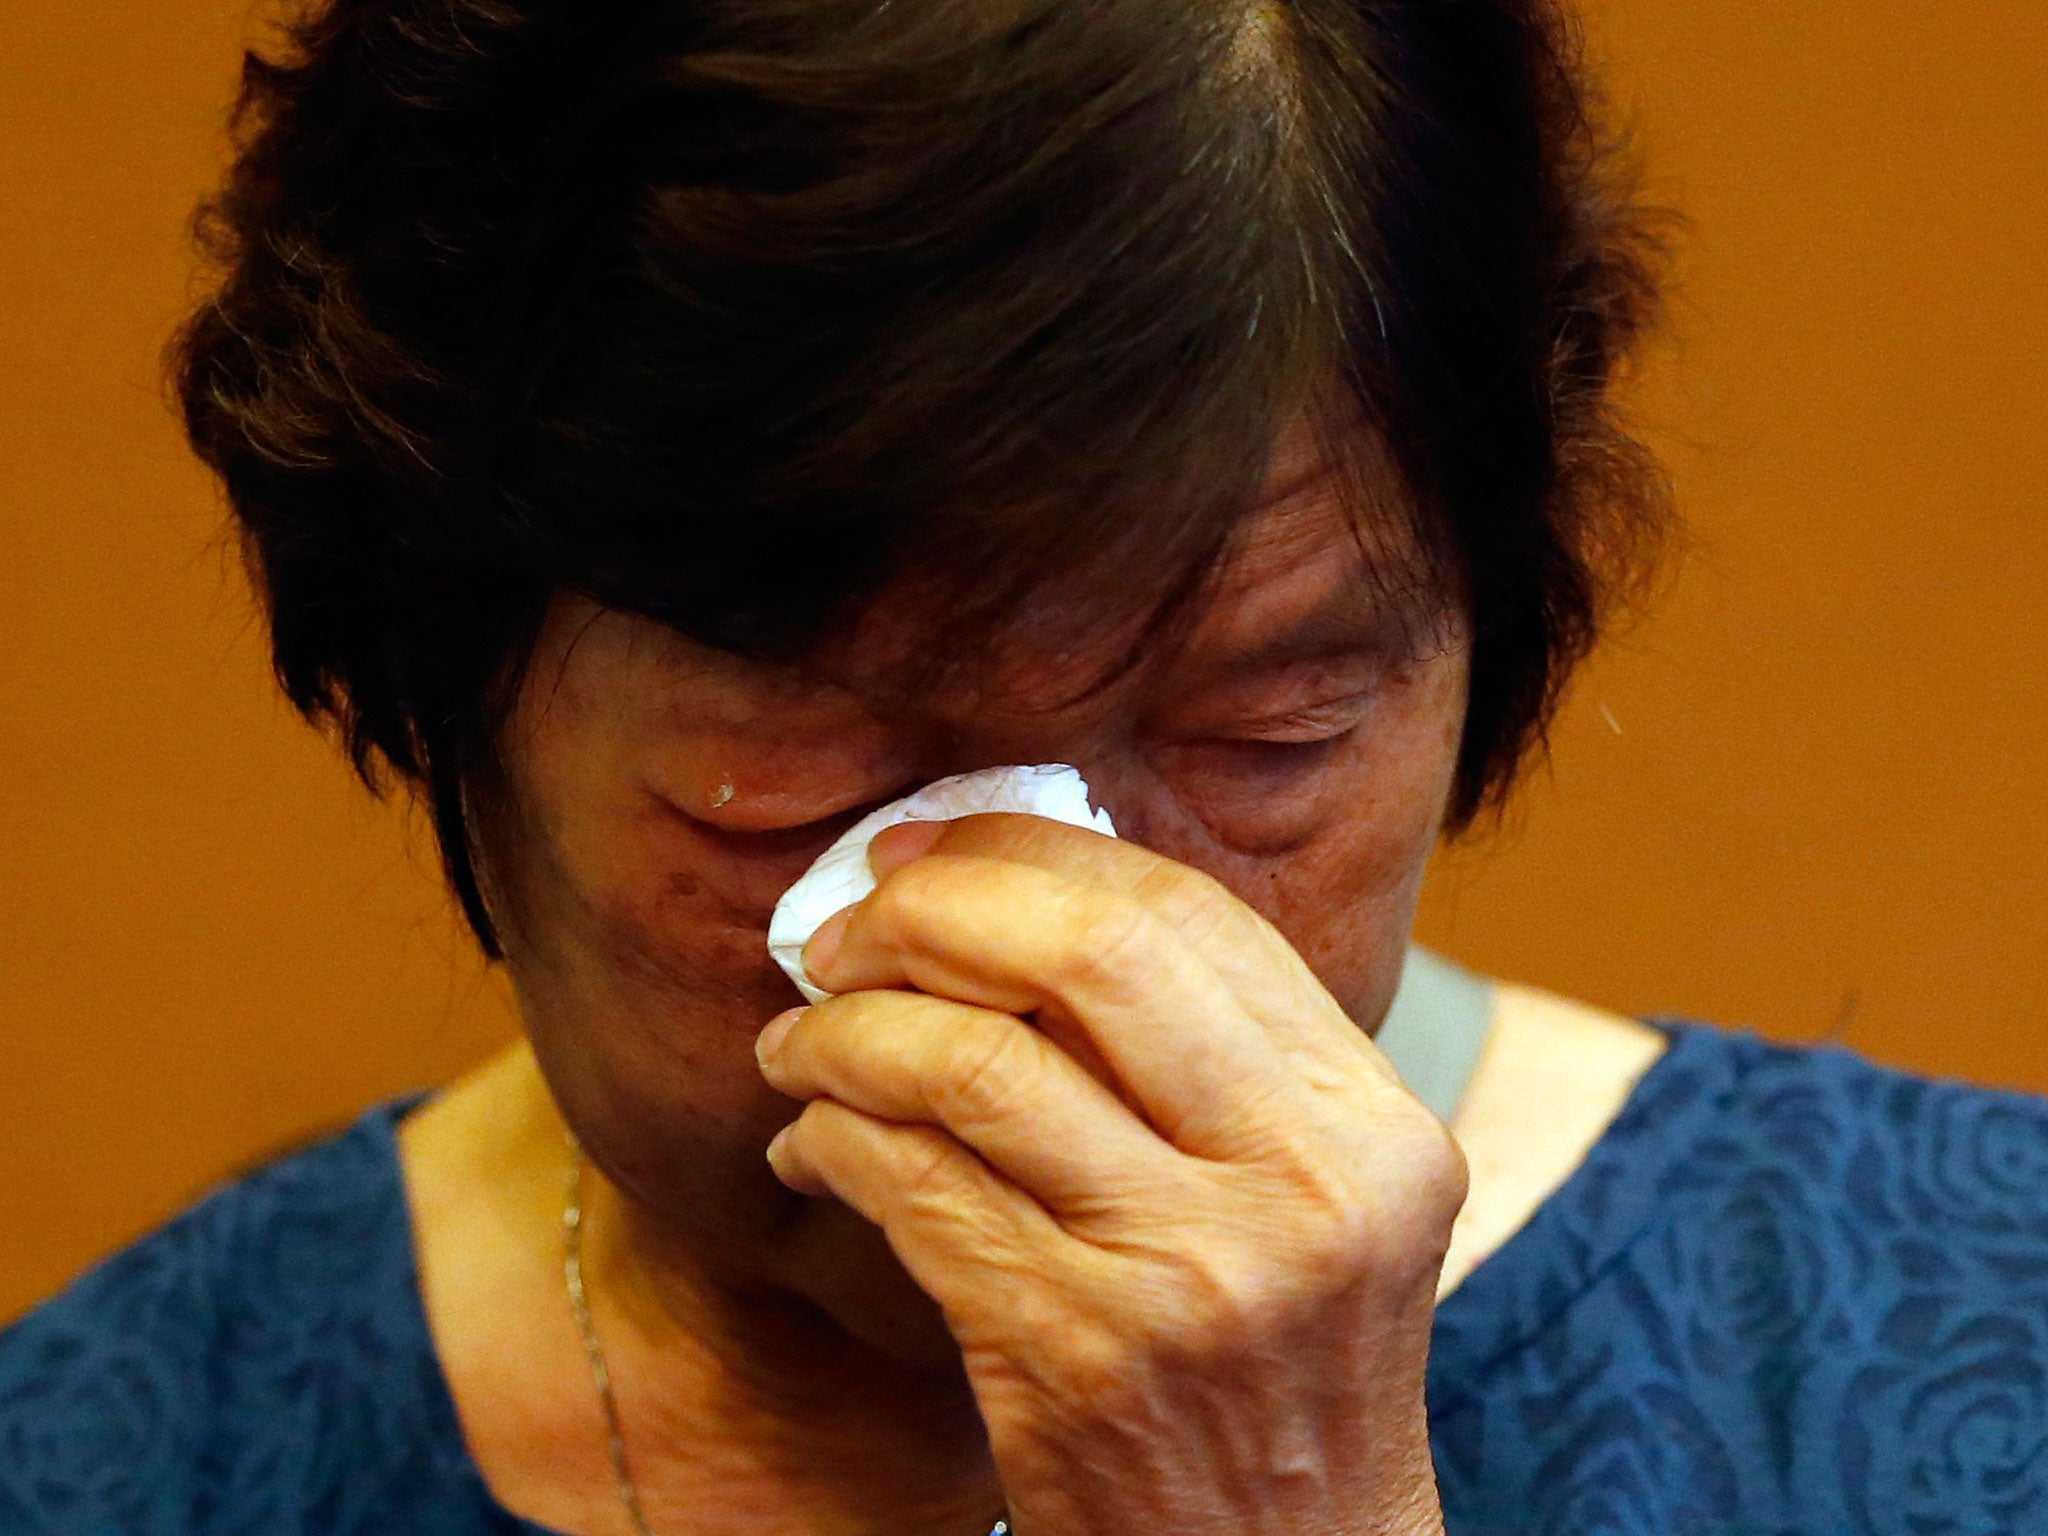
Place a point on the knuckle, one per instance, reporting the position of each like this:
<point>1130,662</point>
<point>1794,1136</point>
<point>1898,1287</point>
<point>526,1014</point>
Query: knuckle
<point>924,1172</point>
<point>984,1071</point>
<point>899,905</point>
<point>1195,902</point>
<point>1103,947</point>
<point>1336,1219</point>
<point>1447,1176</point>
<point>1383,1213</point>
<point>1323,1219</point>
<point>1228,1303</point>
<point>1433,1174</point>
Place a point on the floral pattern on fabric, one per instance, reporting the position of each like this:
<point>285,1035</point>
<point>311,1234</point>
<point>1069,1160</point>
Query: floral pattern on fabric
<point>260,1365</point>
<point>1788,1292</point>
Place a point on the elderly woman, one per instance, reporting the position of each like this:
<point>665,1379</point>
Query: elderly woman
<point>665,432</point>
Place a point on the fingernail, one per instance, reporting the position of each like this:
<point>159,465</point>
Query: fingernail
<point>824,944</point>
<point>778,1146</point>
<point>773,1033</point>
<point>894,847</point>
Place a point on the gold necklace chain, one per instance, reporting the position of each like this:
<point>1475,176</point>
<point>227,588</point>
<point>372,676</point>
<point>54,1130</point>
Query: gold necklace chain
<point>600,1372</point>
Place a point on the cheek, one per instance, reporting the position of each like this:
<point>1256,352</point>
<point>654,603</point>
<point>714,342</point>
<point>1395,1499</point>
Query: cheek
<point>1333,857</point>
<point>630,902</point>
<point>1253,800</point>
<point>605,899</point>
<point>641,992</point>
<point>1343,894</point>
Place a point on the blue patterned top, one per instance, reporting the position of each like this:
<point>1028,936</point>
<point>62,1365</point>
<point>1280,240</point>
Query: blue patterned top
<point>1786,1292</point>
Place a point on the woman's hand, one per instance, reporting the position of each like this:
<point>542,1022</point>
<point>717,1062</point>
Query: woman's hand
<point>1185,1223</point>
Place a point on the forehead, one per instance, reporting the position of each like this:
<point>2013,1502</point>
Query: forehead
<point>1326,559</point>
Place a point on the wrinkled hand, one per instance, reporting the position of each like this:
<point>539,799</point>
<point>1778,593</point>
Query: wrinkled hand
<point>1185,1223</point>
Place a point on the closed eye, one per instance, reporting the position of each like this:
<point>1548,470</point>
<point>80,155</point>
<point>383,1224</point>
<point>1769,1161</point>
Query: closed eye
<point>798,843</point>
<point>1307,729</point>
<point>1327,720</point>
<point>1259,750</point>
<point>1257,755</point>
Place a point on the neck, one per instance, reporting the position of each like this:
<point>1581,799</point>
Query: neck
<point>751,1401</point>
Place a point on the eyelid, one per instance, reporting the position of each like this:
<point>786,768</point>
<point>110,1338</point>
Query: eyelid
<point>1321,721</point>
<point>1290,734</point>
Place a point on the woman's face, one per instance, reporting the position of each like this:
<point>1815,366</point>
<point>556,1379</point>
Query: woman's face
<point>1297,744</point>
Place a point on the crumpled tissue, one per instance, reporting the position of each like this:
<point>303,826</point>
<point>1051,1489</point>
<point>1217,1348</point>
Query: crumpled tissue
<point>841,877</point>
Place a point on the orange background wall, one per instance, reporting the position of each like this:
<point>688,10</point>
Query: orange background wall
<point>1805,796</point>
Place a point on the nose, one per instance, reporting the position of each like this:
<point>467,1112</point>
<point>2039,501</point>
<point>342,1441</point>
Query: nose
<point>1108,765</point>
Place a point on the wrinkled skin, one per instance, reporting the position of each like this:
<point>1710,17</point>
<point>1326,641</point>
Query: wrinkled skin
<point>1094,1121</point>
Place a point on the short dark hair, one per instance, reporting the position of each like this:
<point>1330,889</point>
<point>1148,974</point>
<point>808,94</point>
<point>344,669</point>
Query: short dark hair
<point>714,309</point>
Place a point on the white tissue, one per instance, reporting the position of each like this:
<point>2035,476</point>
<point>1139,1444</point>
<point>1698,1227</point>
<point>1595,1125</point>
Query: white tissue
<point>841,877</point>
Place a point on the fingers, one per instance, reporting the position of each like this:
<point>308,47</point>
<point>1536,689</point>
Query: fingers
<point>1247,954</point>
<point>948,1216</point>
<point>1021,940</point>
<point>995,1083</point>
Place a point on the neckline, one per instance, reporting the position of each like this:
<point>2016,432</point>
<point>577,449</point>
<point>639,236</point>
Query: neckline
<point>447,1449</point>
<point>1600,1211</point>
<point>1461,1346</point>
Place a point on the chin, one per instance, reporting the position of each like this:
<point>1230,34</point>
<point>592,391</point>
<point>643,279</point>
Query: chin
<point>844,1266</point>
